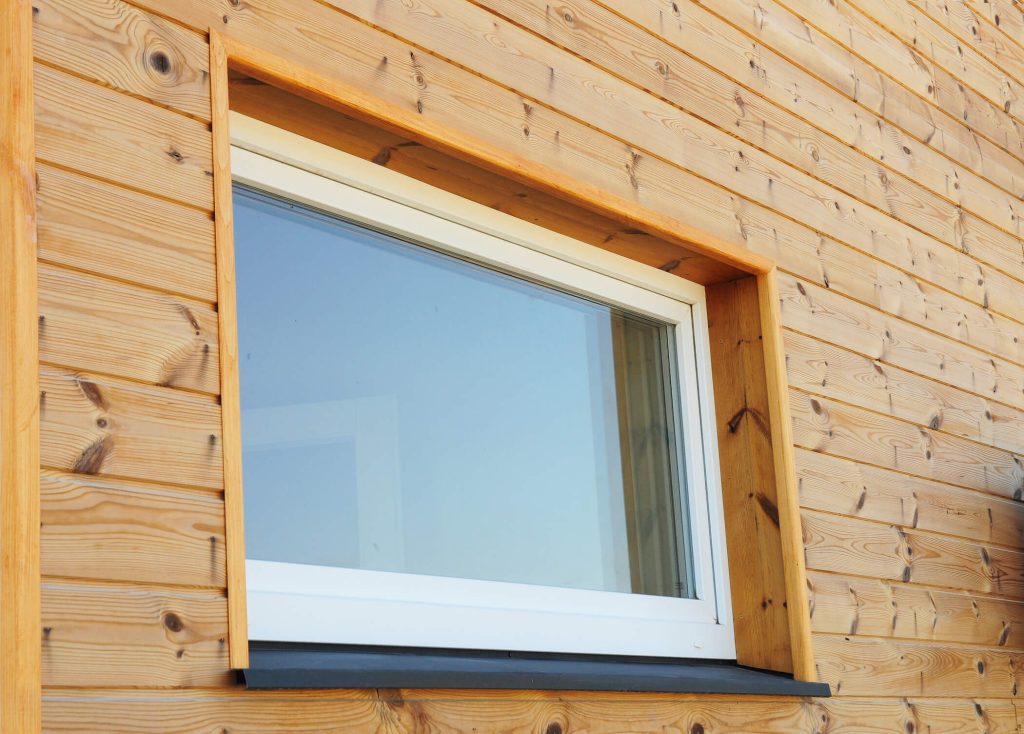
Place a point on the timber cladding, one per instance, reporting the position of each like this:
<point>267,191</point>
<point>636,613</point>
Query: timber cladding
<point>873,150</point>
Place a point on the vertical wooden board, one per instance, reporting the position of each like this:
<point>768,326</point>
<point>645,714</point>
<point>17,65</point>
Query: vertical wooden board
<point>230,391</point>
<point>93,226</point>
<point>748,484</point>
<point>88,128</point>
<point>98,529</point>
<point>19,382</point>
<point>106,635</point>
<point>93,425</point>
<point>111,42</point>
<point>99,325</point>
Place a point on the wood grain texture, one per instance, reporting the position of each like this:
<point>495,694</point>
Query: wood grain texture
<point>750,497</point>
<point>819,313</point>
<point>19,382</point>
<point>105,635</point>
<point>111,42</point>
<point>98,529</point>
<point>835,428</point>
<point>99,325</point>
<point>92,129</point>
<point>844,487</point>
<point>860,606</point>
<point>512,712</point>
<point>691,82</point>
<point>825,369</point>
<point>96,227</point>
<point>863,666</point>
<point>848,545</point>
<point>230,391</point>
<point>93,425</point>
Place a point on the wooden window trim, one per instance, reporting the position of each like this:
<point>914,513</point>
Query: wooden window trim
<point>20,647</point>
<point>226,51</point>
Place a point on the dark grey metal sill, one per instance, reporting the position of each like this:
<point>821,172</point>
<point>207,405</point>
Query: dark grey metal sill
<point>277,665</point>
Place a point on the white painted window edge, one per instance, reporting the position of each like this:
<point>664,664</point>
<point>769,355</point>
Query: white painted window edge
<point>305,603</point>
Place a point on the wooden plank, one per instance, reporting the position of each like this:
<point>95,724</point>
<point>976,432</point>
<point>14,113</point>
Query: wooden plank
<point>100,325</point>
<point>105,635</point>
<point>857,606</point>
<point>110,42</point>
<point>691,82</point>
<point>1005,15</point>
<point>509,712</point>
<point>834,372</point>
<point>92,129</point>
<point>19,382</point>
<point>99,529</point>
<point>92,226</point>
<point>912,70</point>
<point>848,545</point>
<point>750,499</point>
<point>871,111</point>
<point>826,316</point>
<point>958,18</point>
<point>834,428</point>
<point>864,667</point>
<point>94,425</point>
<point>922,35</point>
<point>843,487</point>
<point>230,393</point>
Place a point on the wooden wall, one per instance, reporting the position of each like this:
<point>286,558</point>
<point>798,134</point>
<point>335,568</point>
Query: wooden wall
<point>873,148</point>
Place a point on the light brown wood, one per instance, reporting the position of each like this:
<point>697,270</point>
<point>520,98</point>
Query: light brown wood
<point>749,492</point>
<point>88,128</point>
<point>835,428</point>
<point>106,635</point>
<point>848,545</point>
<point>230,395</point>
<point>824,315</point>
<point>828,370</point>
<point>780,424</point>
<point>843,487</point>
<point>862,667</point>
<point>860,606</point>
<point>92,226</point>
<point>103,326</point>
<point>19,382</point>
<point>93,425</point>
<point>102,529</point>
<point>519,712</point>
<point>111,42</point>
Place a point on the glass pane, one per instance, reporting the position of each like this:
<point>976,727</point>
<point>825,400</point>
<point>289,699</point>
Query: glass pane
<point>405,410</point>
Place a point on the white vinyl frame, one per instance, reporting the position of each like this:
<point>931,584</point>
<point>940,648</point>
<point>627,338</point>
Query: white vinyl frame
<point>305,603</point>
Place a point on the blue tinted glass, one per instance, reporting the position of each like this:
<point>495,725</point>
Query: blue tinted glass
<point>404,410</point>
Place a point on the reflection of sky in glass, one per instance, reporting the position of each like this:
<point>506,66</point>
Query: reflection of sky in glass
<point>406,411</point>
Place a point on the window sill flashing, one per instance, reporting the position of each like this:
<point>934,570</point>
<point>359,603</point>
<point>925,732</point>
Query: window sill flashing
<point>276,666</point>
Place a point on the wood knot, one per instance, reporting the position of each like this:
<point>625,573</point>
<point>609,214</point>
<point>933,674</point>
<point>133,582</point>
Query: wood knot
<point>160,62</point>
<point>173,622</point>
<point>553,728</point>
<point>697,729</point>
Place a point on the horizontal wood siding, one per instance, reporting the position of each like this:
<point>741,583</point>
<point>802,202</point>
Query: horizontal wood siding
<point>874,149</point>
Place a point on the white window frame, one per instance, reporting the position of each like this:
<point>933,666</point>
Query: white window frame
<point>306,603</point>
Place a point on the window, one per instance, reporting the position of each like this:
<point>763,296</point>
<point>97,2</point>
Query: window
<point>461,430</point>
